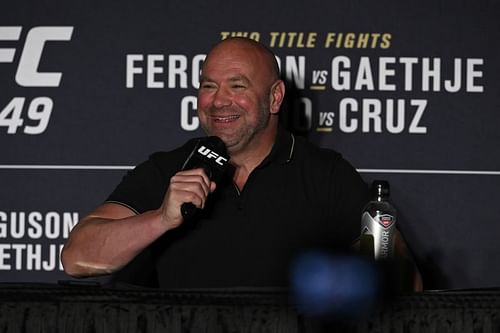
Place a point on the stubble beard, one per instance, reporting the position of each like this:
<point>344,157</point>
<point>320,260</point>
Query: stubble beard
<point>241,137</point>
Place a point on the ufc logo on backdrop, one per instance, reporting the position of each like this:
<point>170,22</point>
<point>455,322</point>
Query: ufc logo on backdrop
<point>29,115</point>
<point>27,74</point>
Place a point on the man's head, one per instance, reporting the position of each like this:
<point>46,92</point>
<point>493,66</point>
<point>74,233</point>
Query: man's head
<point>240,94</point>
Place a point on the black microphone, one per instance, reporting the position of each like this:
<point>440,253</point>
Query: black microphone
<point>209,153</point>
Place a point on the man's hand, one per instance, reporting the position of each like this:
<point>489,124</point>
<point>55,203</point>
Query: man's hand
<point>185,186</point>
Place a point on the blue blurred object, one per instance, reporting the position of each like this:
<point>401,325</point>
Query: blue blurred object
<point>334,286</point>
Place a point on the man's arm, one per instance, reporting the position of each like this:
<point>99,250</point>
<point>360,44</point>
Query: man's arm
<point>411,271</point>
<point>112,235</point>
<point>107,239</point>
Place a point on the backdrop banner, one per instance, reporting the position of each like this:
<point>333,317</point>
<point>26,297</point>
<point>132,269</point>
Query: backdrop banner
<point>406,91</point>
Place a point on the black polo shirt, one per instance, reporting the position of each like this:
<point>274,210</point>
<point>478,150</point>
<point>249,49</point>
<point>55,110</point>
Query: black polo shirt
<point>299,197</point>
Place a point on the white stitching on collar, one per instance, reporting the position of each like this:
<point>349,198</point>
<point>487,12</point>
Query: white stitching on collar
<point>291,149</point>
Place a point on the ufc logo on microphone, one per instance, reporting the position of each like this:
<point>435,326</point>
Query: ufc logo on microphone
<point>212,155</point>
<point>27,74</point>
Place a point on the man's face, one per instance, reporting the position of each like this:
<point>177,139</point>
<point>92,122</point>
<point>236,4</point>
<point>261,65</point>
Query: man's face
<point>234,96</point>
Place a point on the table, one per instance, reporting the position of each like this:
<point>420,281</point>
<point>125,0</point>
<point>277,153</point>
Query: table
<point>57,308</point>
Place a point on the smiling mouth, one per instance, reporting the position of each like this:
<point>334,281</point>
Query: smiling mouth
<point>225,119</point>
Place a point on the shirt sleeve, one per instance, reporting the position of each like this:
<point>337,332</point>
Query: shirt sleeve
<point>143,188</point>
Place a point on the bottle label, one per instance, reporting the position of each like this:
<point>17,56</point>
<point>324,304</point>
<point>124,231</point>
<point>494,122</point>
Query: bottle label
<point>381,227</point>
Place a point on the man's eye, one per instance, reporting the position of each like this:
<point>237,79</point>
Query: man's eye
<point>207,86</point>
<point>239,86</point>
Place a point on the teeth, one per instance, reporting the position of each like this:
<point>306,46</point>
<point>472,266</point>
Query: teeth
<point>228,118</point>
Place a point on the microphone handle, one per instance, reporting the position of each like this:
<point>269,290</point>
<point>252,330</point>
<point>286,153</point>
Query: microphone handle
<point>188,210</point>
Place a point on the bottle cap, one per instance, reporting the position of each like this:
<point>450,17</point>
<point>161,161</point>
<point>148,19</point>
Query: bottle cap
<point>381,187</point>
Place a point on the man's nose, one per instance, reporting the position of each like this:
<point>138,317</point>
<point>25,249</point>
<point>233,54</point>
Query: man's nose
<point>222,98</point>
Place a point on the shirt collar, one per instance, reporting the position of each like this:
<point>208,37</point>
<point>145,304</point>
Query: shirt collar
<point>283,148</point>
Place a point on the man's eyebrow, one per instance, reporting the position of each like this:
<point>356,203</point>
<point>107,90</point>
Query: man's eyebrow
<point>238,78</point>
<point>203,78</point>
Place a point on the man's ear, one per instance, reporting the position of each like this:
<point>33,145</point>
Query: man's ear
<point>277,95</point>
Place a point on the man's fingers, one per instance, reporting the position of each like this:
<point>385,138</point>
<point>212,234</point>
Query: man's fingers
<point>194,198</point>
<point>189,192</point>
<point>194,183</point>
<point>191,177</point>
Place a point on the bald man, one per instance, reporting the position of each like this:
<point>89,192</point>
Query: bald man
<point>285,195</point>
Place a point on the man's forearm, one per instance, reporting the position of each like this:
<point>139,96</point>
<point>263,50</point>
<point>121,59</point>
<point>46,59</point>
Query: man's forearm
<point>98,245</point>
